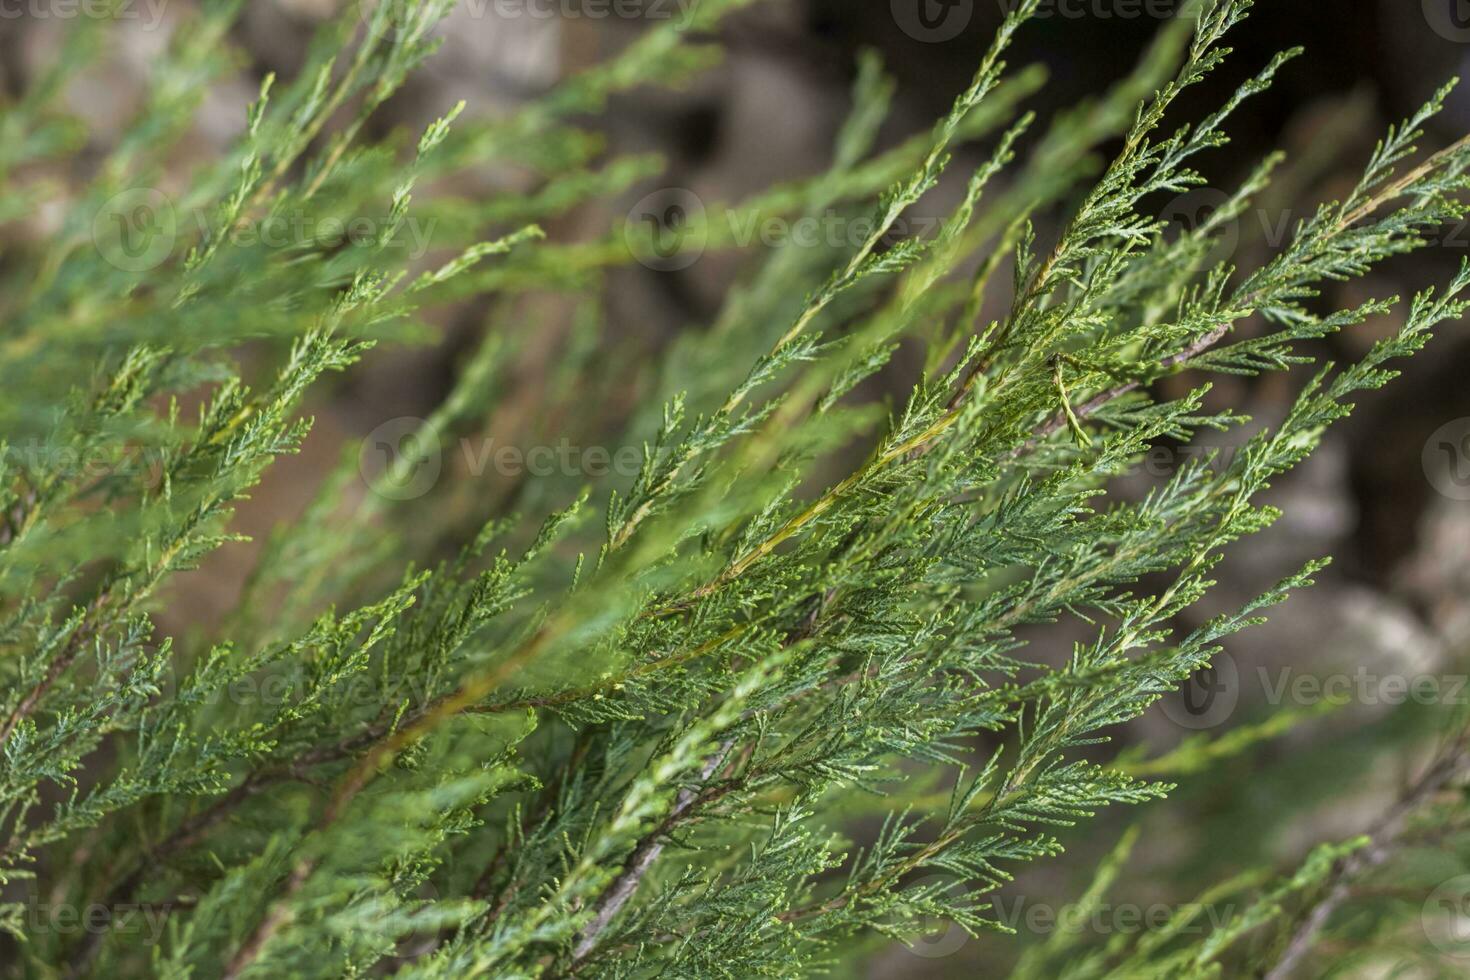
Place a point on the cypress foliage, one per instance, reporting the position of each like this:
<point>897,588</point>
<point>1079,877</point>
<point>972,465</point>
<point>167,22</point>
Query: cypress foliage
<point>751,711</point>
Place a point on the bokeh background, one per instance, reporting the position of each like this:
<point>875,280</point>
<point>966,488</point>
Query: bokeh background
<point>1389,494</point>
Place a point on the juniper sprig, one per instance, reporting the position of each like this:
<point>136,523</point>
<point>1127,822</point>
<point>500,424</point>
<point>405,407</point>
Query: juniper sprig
<point>766,704</point>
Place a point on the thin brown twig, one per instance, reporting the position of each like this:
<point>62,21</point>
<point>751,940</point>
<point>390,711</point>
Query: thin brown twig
<point>642,858</point>
<point>185,836</point>
<point>85,630</point>
<point>1384,837</point>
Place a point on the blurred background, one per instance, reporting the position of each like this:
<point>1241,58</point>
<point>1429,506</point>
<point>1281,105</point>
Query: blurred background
<point>1388,495</point>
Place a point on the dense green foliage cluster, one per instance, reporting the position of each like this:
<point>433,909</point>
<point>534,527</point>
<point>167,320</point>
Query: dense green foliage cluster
<point>733,716</point>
